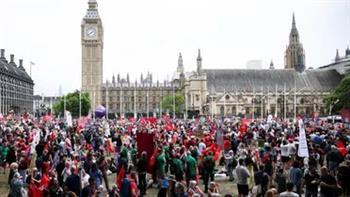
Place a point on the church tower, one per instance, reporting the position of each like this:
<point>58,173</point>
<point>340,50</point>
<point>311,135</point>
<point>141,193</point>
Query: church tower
<point>92,54</point>
<point>294,57</point>
<point>199,63</point>
<point>180,64</point>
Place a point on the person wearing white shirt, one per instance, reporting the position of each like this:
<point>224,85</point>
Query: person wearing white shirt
<point>285,151</point>
<point>201,146</point>
<point>84,178</point>
<point>289,192</point>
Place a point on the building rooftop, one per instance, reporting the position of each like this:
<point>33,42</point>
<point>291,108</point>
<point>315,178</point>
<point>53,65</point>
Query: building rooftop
<point>219,80</point>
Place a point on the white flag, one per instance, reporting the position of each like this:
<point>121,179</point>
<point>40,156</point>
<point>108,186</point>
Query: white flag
<point>69,119</point>
<point>303,151</point>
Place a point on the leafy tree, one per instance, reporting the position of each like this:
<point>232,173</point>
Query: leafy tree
<point>168,103</point>
<point>72,104</point>
<point>339,98</point>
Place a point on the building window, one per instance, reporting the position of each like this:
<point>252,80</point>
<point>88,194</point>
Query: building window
<point>197,97</point>
<point>234,110</point>
<point>222,110</point>
<point>227,97</point>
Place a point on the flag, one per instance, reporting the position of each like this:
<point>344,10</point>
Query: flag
<point>303,151</point>
<point>69,119</point>
<point>341,148</point>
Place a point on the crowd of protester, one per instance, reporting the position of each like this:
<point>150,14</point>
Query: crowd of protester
<point>49,157</point>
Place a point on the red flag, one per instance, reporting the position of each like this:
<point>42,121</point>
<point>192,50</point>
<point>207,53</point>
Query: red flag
<point>120,177</point>
<point>341,148</point>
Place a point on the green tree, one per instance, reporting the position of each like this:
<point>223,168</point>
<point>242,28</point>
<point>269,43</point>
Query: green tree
<point>168,103</point>
<point>72,104</point>
<point>339,98</point>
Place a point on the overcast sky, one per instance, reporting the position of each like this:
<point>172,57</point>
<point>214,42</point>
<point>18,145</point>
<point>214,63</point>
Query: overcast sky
<point>147,35</point>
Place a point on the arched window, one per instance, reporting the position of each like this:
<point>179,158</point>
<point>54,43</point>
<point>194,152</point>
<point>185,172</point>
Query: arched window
<point>222,110</point>
<point>234,110</point>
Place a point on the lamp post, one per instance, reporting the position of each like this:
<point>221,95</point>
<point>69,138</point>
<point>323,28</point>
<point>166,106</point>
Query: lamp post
<point>331,106</point>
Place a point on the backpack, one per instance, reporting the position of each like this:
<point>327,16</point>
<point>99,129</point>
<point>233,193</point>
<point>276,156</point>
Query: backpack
<point>125,190</point>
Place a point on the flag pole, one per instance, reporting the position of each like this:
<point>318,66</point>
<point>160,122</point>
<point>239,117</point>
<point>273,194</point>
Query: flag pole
<point>262,103</point>
<point>161,101</point>
<point>212,107</point>
<point>174,101</point>
<point>120,100</point>
<point>186,99</point>
<point>284,102</point>
<point>147,102</point>
<point>94,105</point>
<point>64,106</point>
<point>135,114</point>
<point>276,102</point>
<point>268,101</point>
<point>253,115</point>
<point>0,101</point>
<point>80,104</point>
<point>236,94</point>
<point>224,103</point>
<point>107,100</point>
<point>295,98</point>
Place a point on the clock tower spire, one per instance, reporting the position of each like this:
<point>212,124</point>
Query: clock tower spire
<point>92,54</point>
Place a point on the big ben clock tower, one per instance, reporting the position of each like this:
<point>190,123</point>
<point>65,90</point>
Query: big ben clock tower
<point>92,54</point>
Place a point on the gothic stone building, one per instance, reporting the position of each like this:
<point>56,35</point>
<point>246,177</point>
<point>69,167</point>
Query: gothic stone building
<point>218,92</point>
<point>258,92</point>
<point>139,98</point>
<point>16,86</point>
<point>121,95</point>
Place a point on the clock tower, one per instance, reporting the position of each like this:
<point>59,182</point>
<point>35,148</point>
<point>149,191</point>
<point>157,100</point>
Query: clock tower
<point>92,54</point>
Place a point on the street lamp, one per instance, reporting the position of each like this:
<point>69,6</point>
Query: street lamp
<point>331,106</point>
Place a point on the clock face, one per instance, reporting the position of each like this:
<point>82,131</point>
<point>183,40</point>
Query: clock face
<point>91,32</point>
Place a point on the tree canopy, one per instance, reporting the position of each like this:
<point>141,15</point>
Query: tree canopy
<point>72,104</point>
<point>167,103</point>
<point>339,98</point>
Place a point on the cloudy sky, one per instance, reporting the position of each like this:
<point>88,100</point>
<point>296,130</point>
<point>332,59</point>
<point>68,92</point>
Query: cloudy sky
<point>146,36</point>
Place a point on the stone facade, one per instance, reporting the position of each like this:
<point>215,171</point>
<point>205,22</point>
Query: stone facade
<point>16,86</point>
<point>294,56</point>
<point>92,54</point>
<point>257,93</point>
<point>123,97</point>
<point>216,92</point>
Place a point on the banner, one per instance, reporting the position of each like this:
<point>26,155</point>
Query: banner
<point>145,143</point>
<point>303,151</point>
<point>69,119</point>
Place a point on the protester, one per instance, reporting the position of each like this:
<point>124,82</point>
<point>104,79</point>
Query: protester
<point>289,192</point>
<point>242,176</point>
<point>311,181</point>
<point>328,184</point>
<point>50,157</point>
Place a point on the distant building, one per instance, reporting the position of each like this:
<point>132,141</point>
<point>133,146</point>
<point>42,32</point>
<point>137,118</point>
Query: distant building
<point>16,86</point>
<point>253,92</point>
<point>92,54</point>
<point>125,97</point>
<point>254,64</point>
<point>341,63</point>
<point>44,102</point>
<point>119,95</point>
<point>295,56</point>
<point>259,92</point>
